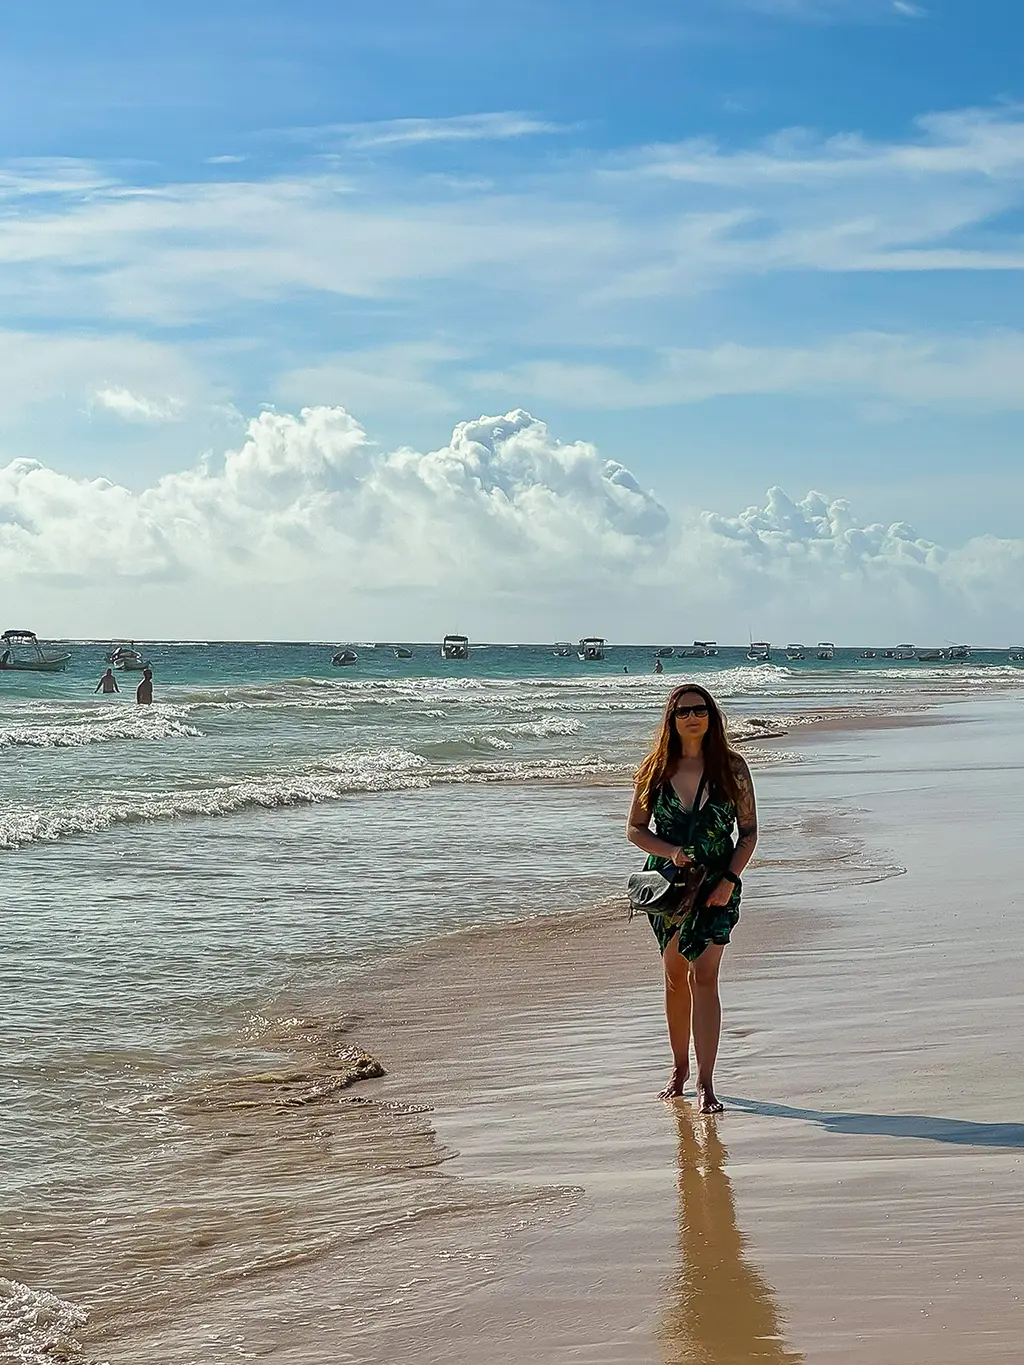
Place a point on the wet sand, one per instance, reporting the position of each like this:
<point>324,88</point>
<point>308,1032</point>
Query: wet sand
<point>861,1198</point>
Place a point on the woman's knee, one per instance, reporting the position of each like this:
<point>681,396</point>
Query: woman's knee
<point>704,974</point>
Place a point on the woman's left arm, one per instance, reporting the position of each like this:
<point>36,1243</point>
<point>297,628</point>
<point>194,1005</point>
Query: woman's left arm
<point>746,819</point>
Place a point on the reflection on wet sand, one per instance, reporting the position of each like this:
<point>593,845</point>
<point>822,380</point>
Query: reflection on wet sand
<point>722,1310</point>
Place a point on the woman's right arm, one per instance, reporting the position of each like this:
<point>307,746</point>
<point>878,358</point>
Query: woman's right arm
<point>638,831</point>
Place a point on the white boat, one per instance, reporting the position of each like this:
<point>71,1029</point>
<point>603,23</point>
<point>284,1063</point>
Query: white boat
<point>826,651</point>
<point>903,652</point>
<point>591,649</point>
<point>868,654</point>
<point>455,647</point>
<point>795,652</point>
<point>563,650</point>
<point>666,652</point>
<point>1015,654</point>
<point>958,652</point>
<point>127,659</point>
<point>760,652</point>
<point>401,652</point>
<point>21,652</point>
<point>344,658</point>
<point>708,648</point>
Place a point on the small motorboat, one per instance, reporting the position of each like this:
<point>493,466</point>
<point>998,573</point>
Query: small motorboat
<point>929,656</point>
<point>455,647</point>
<point>826,651</point>
<point>401,652</point>
<point>344,657</point>
<point>21,652</point>
<point>665,652</point>
<point>903,652</point>
<point>958,652</point>
<point>563,650</point>
<point>591,649</point>
<point>1015,654</point>
<point>759,652</point>
<point>868,654</point>
<point>127,659</point>
<point>794,653</point>
<point>705,649</point>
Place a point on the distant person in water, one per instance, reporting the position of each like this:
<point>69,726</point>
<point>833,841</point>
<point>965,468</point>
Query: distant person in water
<point>696,789</point>
<point>144,691</point>
<point>659,667</point>
<point>107,684</point>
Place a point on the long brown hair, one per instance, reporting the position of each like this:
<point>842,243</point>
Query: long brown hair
<point>667,749</point>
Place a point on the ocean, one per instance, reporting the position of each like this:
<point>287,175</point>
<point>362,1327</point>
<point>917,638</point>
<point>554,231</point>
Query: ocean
<point>193,892</point>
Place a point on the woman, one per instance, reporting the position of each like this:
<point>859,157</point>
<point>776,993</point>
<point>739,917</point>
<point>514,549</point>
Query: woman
<point>696,789</point>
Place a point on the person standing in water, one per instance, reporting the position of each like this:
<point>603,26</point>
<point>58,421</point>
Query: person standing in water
<point>659,667</point>
<point>107,684</point>
<point>696,789</point>
<point>144,691</point>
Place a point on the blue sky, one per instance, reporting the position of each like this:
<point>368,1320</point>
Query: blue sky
<point>732,243</point>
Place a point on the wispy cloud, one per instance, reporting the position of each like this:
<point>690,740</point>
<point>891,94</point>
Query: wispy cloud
<point>495,127</point>
<point>134,408</point>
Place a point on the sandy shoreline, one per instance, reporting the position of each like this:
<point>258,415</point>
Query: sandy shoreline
<point>857,1202</point>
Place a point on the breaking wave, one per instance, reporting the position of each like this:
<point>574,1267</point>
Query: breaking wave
<point>129,725</point>
<point>38,1328</point>
<point>329,780</point>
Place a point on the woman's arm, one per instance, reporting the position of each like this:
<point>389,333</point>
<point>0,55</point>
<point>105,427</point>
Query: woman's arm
<point>638,831</point>
<point>746,818</point>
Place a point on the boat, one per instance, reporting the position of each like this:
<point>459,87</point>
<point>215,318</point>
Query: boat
<point>127,659</point>
<point>795,653</point>
<point>826,651</point>
<point>455,647</point>
<point>708,648</point>
<point>868,654</point>
<point>760,652</point>
<point>344,657</point>
<point>563,650</point>
<point>666,652</point>
<point>929,656</point>
<point>591,649</point>
<point>1015,654</point>
<point>958,652</point>
<point>401,652</point>
<point>21,652</point>
<point>903,652</point>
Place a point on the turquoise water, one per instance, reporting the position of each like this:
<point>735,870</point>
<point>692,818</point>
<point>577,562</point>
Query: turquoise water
<point>180,879</point>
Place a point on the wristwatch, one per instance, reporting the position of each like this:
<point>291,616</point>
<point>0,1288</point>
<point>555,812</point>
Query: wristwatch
<point>732,877</point>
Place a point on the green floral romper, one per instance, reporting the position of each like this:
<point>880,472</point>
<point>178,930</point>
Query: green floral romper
<point>712,845</point>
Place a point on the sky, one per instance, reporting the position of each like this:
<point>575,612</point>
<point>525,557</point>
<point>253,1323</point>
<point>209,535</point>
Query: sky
<point>656,320</point>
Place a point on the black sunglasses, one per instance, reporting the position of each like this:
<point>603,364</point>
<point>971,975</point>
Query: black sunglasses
<point>699,711</point>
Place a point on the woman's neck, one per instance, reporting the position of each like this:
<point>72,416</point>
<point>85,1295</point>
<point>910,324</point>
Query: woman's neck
<point>692,749</point>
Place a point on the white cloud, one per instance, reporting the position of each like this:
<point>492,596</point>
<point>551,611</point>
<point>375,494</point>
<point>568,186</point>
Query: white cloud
<point>133,408</point>
<point>505,523</point>
<point>418,131</point>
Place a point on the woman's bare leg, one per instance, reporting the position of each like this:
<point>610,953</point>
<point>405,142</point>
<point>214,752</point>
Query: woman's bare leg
<point>707,1023</point>
<point>678,1007</point>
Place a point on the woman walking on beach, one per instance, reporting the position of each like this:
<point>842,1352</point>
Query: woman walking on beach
<point>696,789</point>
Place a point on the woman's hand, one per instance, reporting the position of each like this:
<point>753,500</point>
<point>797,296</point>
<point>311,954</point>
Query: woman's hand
<point>720,893</point>
<point>681,858</point>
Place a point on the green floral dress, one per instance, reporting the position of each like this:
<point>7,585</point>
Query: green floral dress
<point>712,845</point>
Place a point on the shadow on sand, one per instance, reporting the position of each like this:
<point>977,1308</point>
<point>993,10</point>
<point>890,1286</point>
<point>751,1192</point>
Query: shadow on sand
<point>721,1310</point>
<point>960,1132</point>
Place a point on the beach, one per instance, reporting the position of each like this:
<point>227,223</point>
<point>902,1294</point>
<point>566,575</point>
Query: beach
<point>510,1188</point>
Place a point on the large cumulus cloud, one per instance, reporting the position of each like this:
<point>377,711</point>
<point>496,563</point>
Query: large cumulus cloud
<point>504,520</point>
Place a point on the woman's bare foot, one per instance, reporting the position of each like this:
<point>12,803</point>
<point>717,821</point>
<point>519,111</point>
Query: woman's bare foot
<point>674,1089</point>
<point>709,1103</point>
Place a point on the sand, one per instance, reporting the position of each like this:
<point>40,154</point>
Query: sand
<point>859,1201</point>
